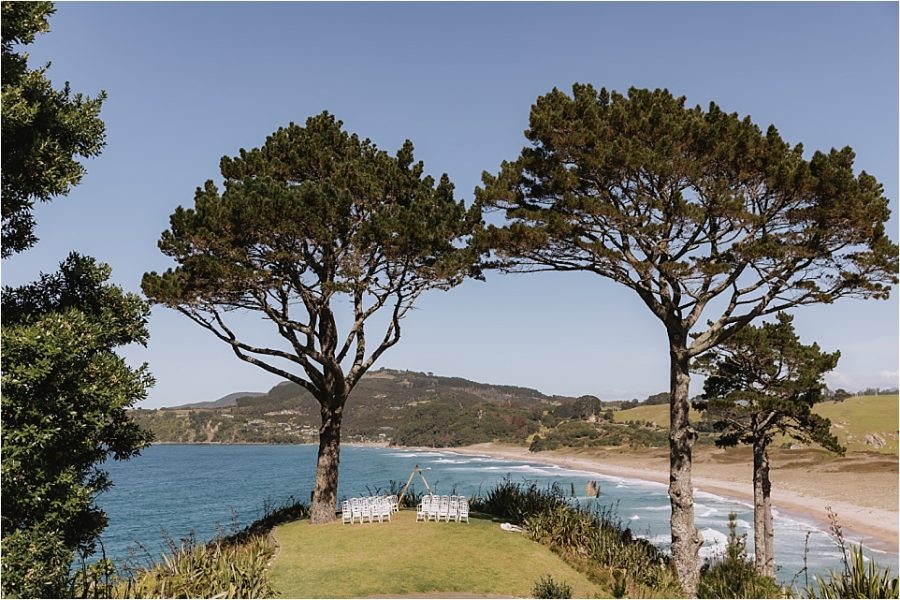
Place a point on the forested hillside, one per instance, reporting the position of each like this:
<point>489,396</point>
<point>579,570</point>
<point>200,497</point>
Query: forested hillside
<point>387,405</point>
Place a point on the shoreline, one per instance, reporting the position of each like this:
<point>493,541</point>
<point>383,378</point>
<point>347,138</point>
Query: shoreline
<point>873,527</point>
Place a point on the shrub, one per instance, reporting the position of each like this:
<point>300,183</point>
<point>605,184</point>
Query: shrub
<point>734,575</point>
<point>545,587</point>
<point>35,564</point>
<point>513,502</point>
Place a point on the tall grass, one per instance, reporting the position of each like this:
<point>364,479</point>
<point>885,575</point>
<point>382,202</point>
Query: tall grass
<point>219,569</point>
<point>230,566</point>
<point>593,542</point>
<point>861,577</point>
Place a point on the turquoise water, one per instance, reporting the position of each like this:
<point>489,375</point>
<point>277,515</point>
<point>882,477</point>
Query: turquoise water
<point>172,490</point>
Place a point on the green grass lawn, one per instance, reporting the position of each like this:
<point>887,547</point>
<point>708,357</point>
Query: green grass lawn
<point>404,557</point>
<point>851,420</point>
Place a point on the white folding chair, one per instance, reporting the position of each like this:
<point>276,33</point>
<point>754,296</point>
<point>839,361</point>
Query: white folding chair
<point>346,513</point>
<point>463,511</point>
<point>367,509</point>
<point>422,509</point>
<point>356,510</point>
<point>434,508</point>
<point>444,509</point>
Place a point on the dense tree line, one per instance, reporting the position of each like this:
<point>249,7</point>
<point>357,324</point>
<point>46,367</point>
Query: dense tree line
<point>66,391</point>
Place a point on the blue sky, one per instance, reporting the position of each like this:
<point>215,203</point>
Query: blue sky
<point>190,82</point>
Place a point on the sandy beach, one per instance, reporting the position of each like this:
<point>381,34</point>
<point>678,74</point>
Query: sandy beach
<point>861,488</point>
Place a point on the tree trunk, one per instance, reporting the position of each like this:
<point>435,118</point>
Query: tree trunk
<point>769,530</point>
<point>759,509</point>
<point>324,500</point>
<point>686,540</point>
<point>763,532</point>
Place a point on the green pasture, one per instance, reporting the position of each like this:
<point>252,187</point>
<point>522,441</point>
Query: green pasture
<point>860,416</point>
<point>404,557</point>
<point>851,420</point>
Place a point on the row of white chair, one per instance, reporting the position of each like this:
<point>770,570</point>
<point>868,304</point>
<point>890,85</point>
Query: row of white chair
<point>369,509</point>
<point>438,508</point>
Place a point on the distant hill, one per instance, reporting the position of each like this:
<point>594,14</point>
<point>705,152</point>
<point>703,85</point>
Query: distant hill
<point>385,406</point>
<point>223,402</point>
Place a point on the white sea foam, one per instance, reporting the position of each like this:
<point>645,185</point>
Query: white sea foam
<point>414,454</point>
<point>634,518</point>
<point>663,507</point>
<point>714,542</point>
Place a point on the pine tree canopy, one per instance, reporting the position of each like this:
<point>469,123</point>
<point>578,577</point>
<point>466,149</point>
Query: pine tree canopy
<point>313,215</point>
<point>685,206</point>
<point>763,381</point>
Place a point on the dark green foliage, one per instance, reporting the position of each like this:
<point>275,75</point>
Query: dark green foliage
<point>313,215</point>
<point>514,502</point>
<point>36,562</point>
<point>584,407</point>
<point>660,398</point>
<point>733,575</point>
<point>643,189</point>
<point>445,425</point>
<point>65,397</point>
<point>44,130</point>
<point>763,381</point>
<point>545,587</point>
<point>578,434</point>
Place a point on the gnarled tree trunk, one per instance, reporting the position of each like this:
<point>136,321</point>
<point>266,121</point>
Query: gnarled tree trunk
<point>324,500</point>
<point>686,540</point>
<point>763,534</point>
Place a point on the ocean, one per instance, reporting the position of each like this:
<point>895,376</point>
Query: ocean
<point>171,491</point>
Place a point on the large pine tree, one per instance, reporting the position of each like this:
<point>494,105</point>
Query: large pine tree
<point>762,382</point>
<point>315,229</point>
<point>709,220</point>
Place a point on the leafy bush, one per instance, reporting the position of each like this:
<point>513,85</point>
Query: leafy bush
<point>734,575</point>
<point>581,434</point>
<point>545,587</point>
<point>35,564</point>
